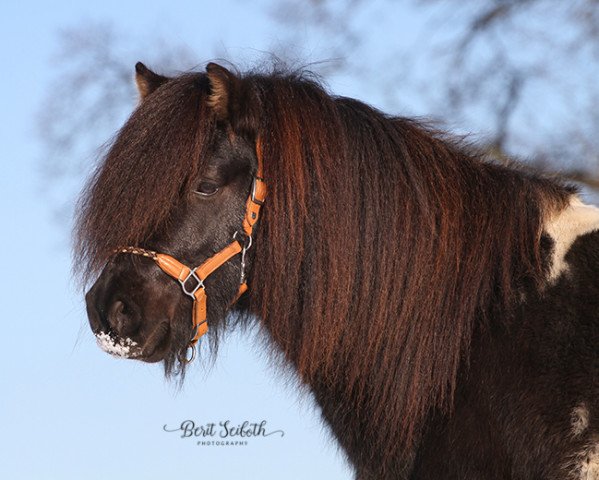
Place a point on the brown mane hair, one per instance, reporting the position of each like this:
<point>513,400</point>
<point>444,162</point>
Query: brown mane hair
<point>382,245</point>
<point>148,168</point>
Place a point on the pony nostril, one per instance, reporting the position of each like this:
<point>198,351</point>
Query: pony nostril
<point>121,319</point>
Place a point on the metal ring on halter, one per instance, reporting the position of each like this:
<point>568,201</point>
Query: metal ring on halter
<point>187,358</point>
<point>247,237</point>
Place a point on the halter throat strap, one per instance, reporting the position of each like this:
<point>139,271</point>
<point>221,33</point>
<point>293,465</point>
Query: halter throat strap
<point>192,279</point>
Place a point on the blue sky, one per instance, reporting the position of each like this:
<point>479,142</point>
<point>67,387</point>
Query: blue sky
<point>67,410</point>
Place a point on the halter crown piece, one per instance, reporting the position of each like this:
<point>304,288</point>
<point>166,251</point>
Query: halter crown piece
<point>242,241</point>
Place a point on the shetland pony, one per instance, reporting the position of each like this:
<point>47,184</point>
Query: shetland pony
<point>442,308</point>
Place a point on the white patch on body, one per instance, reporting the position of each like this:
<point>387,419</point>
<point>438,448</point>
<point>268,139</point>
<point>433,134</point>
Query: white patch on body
<point>579,419</point>
<point>125,348</point>
<point>586,466</point>
<point>565,227</point>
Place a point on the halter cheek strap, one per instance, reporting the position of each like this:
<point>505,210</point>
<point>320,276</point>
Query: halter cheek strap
<point>242,241</point>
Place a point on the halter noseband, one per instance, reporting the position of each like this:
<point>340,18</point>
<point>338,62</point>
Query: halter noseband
<point>242,241</point>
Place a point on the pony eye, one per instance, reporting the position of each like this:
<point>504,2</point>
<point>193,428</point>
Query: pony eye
<point>206,189</point>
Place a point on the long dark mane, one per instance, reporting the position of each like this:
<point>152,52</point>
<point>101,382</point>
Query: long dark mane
<point>382,245</point>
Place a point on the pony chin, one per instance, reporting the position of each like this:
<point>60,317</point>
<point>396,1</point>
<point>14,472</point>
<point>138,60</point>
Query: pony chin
<point>151,350</point>
<point>118,347</point>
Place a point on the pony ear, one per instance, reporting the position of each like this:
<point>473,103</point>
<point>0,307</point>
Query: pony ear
<point>222,90</point>
<point>232,100</point>
<point>147,81</point>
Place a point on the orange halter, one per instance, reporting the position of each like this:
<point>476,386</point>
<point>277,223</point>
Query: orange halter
<point>184,274</point>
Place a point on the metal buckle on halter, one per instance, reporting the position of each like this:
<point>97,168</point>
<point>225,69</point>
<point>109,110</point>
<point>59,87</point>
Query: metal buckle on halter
<point>253,194</point>
<point>200,284</point>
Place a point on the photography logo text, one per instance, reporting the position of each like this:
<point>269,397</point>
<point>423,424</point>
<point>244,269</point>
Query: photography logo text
<point>223,434</point>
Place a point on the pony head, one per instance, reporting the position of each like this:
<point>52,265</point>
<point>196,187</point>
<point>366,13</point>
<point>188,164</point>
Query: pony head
<point>176,180</point>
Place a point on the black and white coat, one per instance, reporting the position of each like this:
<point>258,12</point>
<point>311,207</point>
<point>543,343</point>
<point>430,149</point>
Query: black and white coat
<point>529,405</point>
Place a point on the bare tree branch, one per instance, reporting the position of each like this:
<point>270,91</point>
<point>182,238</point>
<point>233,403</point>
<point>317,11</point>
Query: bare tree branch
<point>522,72</point>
